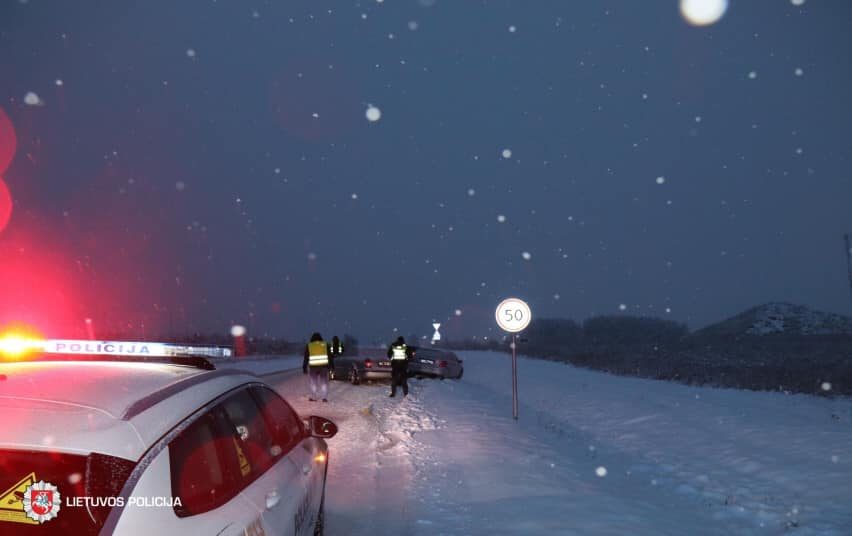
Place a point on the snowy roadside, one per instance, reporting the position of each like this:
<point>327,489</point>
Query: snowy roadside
<point>591,454</point>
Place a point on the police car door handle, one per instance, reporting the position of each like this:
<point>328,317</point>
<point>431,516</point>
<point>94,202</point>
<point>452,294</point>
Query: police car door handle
<point>272,499</point>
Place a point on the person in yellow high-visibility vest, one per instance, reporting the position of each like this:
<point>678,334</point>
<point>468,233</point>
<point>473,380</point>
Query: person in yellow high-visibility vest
<point>316,361</point>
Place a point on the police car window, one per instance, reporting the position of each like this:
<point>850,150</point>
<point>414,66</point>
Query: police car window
<point>251,441</point>
<point>286,426</point>
<point>202,476</point>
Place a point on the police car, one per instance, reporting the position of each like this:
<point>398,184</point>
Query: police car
<point>111,437</point>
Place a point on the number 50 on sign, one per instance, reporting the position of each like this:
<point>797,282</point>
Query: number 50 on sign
<point>513,315</point>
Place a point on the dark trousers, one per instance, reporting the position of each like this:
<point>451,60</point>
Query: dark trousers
<point>399,376</point>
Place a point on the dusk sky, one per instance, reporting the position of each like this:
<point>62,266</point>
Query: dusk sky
<point>185,166</point>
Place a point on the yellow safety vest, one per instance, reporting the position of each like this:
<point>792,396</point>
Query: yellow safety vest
<point>399,352</point>
<point>317,354</point>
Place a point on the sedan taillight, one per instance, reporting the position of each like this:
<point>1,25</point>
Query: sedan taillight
<point>442,364</point>
<point>368,363</point>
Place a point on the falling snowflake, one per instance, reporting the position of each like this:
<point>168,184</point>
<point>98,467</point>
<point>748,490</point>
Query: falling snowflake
<point>668,309</point>
<point>458,312</point>
<point>826,386</point>
<point>32,99</point>
<point>512,29</point>
<point>315,115</point>
<point>797,2</point>
<point>622,307</point>
<point>471,192</point>
<point>799,71</point>
<point>526,255</point>
<point>556,297</point>
<point>507,153</point>
<point>661,180</point>
<point>354,196</point>
<point>752,75</point>
<point>312,256</point>
<point>413,25</point>
<point>601,471</point>
<point>501,218</point>
<point>59,82</point>
<point>180,186</point>
<point>373,114</point>
<point>190,53</point>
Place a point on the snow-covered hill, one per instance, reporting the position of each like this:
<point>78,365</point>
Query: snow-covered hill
<point>783,318</point>
<point>591,454</point>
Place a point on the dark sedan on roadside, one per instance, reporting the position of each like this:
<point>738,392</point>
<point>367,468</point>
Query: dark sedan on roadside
<point>434,363</point>
<point>368,365</point>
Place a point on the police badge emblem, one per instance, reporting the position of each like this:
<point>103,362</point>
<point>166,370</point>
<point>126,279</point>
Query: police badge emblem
<point>42,501</point>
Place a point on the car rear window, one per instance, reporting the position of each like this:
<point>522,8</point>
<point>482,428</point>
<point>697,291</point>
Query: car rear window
<point>220,454</point>
<point>75,478</point>
<point>253,444</point>
<point>286,427</point>
<point>201,477</point>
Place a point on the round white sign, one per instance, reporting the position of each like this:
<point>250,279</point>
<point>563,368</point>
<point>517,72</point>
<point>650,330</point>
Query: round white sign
<point>513,315</point>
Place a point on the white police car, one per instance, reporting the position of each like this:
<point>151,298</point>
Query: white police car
<point>145,438</point>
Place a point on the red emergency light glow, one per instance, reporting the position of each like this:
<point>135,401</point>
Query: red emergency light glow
<point>368,363</point>
<point>8,145</point>
<point>5,205</point>
<point>8,142</point>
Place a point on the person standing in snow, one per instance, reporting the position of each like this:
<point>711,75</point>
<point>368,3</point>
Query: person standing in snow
<point>399,354</point>
<point>335,350</point>
<point>316,360</point>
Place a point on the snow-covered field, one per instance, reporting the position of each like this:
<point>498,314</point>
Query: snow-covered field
<point>590,454</point>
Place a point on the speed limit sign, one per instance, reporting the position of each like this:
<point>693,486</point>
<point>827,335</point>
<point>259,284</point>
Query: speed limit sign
<point>513,315</point>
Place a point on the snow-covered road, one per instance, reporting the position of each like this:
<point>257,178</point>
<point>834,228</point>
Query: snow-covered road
<point>591,454</point>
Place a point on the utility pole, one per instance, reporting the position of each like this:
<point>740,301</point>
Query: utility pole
<point>848,264</point>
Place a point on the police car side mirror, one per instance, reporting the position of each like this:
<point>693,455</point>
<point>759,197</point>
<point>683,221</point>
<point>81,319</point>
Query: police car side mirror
<point>321,427</point>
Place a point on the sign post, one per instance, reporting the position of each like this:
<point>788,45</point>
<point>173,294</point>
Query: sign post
<point>513,315</point>
<point>436,336</point>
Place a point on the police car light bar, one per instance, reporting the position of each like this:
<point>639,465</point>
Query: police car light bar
<point>130,349</point>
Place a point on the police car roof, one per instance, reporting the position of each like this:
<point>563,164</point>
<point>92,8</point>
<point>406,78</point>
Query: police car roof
<point>115,408</point>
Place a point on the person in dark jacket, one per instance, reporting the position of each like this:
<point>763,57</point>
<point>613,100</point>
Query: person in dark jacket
<point>399,354</point>
<point>335,350</point>
<point>317,362</point>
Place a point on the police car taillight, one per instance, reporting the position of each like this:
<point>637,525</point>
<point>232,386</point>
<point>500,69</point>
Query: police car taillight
<point>442,364</point>
<point>368,363</point>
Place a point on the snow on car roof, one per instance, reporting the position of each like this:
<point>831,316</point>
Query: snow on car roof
<point>100,406</point>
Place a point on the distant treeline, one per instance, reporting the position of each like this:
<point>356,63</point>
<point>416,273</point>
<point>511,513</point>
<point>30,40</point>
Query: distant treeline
<point>665,350</point>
